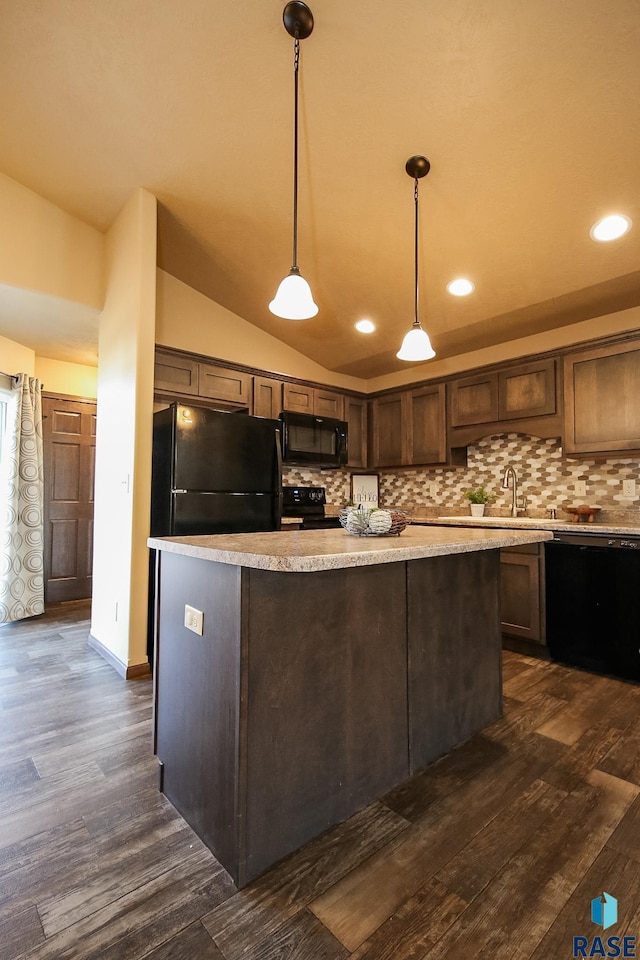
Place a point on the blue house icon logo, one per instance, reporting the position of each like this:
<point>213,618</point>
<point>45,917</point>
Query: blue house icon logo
<point>604,910</point>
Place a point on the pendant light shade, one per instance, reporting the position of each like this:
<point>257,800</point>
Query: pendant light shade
<point>416,344</point>
<point>293,299</point>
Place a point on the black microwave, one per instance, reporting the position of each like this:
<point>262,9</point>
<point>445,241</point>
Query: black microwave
<point>314,441</point>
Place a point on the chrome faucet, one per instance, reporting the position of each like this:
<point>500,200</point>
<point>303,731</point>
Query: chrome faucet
<point>509,471</point>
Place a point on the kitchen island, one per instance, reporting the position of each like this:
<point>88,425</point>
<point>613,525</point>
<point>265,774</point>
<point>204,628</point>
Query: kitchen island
<point>330,668</point>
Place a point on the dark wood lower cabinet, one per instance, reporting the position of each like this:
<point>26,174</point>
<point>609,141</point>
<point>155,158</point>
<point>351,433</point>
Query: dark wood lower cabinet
<point>522,607</point>
<point>311,694</point>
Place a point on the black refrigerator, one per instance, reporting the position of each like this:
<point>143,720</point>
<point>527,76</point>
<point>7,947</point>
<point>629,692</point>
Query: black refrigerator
<point>211,473</point>
<point>214,473</point>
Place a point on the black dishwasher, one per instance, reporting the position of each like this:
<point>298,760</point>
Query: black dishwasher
<point>593,602</point>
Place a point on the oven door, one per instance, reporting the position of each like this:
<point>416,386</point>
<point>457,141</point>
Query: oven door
<point>317,441</point>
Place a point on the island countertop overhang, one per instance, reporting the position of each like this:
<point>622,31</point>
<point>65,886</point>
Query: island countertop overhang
<point>310,551</point>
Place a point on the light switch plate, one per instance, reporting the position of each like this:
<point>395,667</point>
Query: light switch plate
<point>193,619</point>
<point>580,488</point>
<point>433,491</point>
<point>628,488</point>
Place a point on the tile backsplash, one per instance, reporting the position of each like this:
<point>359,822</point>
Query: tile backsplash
<point>546,478</point>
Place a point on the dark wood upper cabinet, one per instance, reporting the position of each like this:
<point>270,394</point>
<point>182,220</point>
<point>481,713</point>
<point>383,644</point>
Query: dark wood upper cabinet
<point>267,397</point>
<point>175,374</point>
<point>474,400</point>
<point>328,403</point>
<point>227,386</point>
<point>315,400</point>
<point>520,392</point>
<point>409,428</point>
<point>355,412</point>
<point>297,397</point>
<point>602,399</point>
<point>528,390</point>
<point>390,430</point>
<point>427,424</point>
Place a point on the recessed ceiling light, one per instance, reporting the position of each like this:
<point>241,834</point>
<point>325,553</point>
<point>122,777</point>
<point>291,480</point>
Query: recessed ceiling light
<point>460,287</point>
<point>365,326</point>
<point>610,228</point>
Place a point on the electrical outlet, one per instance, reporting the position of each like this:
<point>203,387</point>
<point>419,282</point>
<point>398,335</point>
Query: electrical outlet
<point>193,619</point>
<point>580,488</point>
<point>433,491</point>
<point>628,488</point>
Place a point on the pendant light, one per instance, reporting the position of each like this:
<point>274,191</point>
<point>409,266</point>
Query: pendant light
<point>293,299</point>
<point>416,344</point>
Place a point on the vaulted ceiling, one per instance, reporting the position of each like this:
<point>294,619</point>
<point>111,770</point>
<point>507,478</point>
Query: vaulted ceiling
<point>528,112</point>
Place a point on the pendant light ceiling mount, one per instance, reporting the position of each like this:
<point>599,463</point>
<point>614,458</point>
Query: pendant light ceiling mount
<point>416,344</point>
<point>298,20</point>
<point>293,299</point>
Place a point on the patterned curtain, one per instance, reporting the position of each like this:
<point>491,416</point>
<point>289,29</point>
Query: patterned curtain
<point>22,499</point>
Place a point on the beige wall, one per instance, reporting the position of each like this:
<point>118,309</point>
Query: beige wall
<point>124,434</point>
<point>45,249</point>
<point>71,379</point>
<point>15,358</point>
<point>187,320</point>
<point>56,376</point>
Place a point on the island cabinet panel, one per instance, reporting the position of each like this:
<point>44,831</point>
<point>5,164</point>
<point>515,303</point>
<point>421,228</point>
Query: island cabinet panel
<point>455,679</point>
<point>326,704</point>
<point>197,708</point>
<point>602,399</point>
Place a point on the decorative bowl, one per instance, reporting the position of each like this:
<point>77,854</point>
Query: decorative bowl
<point>368,522</point>
<point>582,514</point>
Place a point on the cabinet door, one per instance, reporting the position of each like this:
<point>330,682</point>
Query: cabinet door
<point>356,417</point>
<point>390,431</point>
<point>427,441</point>
<point>528,390</point>
<point>602,399</point>
<point>474,400</point>
<point>267,397</point>
<point>229,386</point>
<point>328,403</point>
<point>521,605</point>
<point>175,374</point>
<point>297,397</point>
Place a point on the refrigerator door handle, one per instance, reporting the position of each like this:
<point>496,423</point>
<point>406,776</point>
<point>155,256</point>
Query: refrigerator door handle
<point>278,498</point>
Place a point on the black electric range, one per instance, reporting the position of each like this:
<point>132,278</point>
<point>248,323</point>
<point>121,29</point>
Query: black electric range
<point>308,503</point>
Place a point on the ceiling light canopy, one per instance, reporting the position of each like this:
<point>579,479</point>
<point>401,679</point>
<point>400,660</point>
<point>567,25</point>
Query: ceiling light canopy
<point>365,326</point>
<point>610,228</point>
<point>293,299</point>
<point>416,344</point>
<point>460,287</point>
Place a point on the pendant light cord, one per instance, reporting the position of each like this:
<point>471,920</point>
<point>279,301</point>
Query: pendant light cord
<point>296,64</point>
<point>415,196</point>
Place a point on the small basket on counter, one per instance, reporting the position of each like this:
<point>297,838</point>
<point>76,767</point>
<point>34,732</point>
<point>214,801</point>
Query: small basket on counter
<point>374,522</point>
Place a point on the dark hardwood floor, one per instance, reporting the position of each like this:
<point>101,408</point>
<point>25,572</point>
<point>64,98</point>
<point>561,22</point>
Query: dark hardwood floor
<point>494,852</point>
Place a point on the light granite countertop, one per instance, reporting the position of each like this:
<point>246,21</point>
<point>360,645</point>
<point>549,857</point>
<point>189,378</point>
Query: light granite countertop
<point>532,523</point>
<point>306,551</point>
